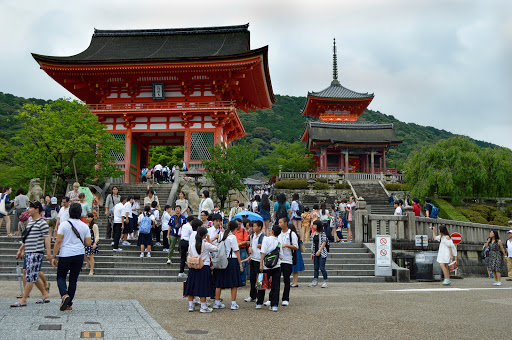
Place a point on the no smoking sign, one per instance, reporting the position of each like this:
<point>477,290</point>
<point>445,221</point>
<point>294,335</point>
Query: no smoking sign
<point>383,252</point>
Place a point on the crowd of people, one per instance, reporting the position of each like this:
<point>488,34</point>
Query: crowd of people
<point>161,173</point>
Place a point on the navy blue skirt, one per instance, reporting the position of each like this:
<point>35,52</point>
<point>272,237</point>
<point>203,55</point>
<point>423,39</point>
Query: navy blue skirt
<point>145,239</point>
<point>229,277</point>
<point>300,263</point>
<point>199,282</point>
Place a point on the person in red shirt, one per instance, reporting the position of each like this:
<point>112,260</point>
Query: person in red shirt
<point>416,207</point>
<point>242,237</point>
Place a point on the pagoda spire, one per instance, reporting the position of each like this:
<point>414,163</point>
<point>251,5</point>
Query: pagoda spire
<point>334,66</point>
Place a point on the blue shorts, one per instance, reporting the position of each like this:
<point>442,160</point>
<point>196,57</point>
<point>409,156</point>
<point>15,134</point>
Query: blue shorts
<point>297,218</point>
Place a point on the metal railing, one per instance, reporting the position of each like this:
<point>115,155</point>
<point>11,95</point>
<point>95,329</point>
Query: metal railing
<point>162,106</point>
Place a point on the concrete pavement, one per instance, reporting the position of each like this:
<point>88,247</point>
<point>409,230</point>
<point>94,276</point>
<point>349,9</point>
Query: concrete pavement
<point>471,309</point>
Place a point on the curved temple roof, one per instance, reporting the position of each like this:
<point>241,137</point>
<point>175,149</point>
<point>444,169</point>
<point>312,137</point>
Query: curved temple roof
<point>336,90</point>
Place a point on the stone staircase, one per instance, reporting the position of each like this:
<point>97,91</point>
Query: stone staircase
<point>346,263</point>
<point>376,198</point>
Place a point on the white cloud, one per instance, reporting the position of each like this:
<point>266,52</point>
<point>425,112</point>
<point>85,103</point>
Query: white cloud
<point>442,63</point>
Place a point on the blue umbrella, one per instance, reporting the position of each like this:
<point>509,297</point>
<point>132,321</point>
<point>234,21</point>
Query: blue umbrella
<point>249,215</point>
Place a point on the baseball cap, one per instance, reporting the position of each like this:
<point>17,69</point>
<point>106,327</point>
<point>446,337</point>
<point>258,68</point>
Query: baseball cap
<point>53,200</point>
<point>36,205</point>
<point>509,232</point>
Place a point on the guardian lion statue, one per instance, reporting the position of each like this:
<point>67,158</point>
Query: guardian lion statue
<point>35,191</point>
<point>190,190</point>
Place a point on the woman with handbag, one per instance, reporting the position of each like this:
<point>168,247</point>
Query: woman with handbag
<point>445,255</point>
<point>199,281</point>
<point>5,205</point>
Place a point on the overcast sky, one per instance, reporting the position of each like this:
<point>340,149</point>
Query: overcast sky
<point>443,63</point>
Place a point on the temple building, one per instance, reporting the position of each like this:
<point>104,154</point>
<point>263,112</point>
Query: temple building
<point>336,136</point>
<point>167,87</point>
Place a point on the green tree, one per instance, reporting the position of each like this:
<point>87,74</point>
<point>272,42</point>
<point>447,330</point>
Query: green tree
<point>227,168</point>
<point>166,155</point>
<point>459,168</point>
<point>286,157</point>
<point>59,135</point>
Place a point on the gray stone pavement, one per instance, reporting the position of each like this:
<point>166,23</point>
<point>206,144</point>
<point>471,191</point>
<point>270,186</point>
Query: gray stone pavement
<point>471,308</point>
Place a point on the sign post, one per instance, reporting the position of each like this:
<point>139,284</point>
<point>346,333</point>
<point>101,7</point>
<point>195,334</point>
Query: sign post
<point>383,259</point>
<point>456,238</point>
<point>421,241</point>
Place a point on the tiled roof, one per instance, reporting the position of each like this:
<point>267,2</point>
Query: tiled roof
<point>352,133</point>
<point>336,90</point>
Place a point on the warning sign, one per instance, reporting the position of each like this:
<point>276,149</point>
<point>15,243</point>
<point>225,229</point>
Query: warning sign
<point>383,254</point>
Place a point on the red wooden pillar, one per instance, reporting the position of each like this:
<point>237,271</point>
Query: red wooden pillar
<point>218,134</point>
<point>127,154</point>
<point>340,162</point>
<point>384,160</point>
<point>366,165</point>
<point>346,162</point>
<point>186,147</point>
<point>372,162</point>
<point>380,163</point>
<point>137,167</point>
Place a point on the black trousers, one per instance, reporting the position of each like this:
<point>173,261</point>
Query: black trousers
<point>183,254</point>
<point>110,220</point>
<point>286,269</point>
<point>253,274</point>
<point>165,239</point>
<point>117,234</point>
<point>71,265</point>
<point>275,275</point>
<point>156,232</point>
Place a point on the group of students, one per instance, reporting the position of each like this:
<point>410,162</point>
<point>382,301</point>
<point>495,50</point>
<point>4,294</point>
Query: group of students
<point>160,173</point>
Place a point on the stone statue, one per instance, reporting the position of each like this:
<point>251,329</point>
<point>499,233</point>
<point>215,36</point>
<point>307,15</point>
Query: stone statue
<point>190,190</point>
<point>35,191</point>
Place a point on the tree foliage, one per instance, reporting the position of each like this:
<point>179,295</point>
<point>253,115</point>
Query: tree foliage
<point>165,155</point>
<point>459,168</point>
<point>227,168</point>
<point>56,134</point>
<point>286,157</point>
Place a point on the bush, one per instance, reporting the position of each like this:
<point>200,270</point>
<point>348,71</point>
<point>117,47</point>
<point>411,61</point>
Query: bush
<point>341,186</point>
<point>396,187</point>
<point>291,184</point>
<point>484,214</point>
<point>448,211</point>
<point>321,186</point>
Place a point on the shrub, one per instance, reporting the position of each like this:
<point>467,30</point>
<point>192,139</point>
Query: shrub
<point>291,184</point>
<point>321,186</point>
<point>341,186</point>
<point>396,187</point>
<point>448,211</point>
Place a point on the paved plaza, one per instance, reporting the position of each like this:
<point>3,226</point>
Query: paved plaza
<point>472,308</point>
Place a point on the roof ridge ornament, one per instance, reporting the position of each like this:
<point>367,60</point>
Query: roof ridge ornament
<point>334,66</point>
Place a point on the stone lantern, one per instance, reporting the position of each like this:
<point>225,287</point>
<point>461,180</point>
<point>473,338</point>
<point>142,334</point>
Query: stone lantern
<point>311,184</point>
<point>388,177</point>
<point>341,177</point>
<point>331,182</point>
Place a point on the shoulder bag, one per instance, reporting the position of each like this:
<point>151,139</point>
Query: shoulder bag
<point>195,262</point>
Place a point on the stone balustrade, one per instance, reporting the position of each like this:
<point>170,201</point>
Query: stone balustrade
<point>354,176</point>
<point>408,226</point>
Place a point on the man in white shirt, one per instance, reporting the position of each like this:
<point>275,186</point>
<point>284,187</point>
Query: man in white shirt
<point>289,242</point>
<point>72,237</point>
<point>508,244</point>
<point>166,217</point>
<point>269,244</point>
<point>158,172</point>
<point>186,231</point>
<point>128,225</point>
<point>63,215</point>
<point>256,240</point>
<point>235,210</point>
<point>215,230</point>
<point>119,222</point>
<point>398,210</point>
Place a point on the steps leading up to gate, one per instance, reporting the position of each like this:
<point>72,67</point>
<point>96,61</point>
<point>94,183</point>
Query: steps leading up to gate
<point>347,262</point>
<point>375,197</point>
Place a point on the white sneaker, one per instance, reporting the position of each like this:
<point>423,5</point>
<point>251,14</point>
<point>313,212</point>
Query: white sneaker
<point>285,303</point>
<point>126,243</point>
<point>235,307</point>
<point>324,285</point>
<point>182,275</point>
<point>165,250</point>
<point>249,299</point>
<point>141,255</point>
<point>149,255</point>
<point>273,309</point>
<point>191,309</point>
<point>117,249</point>
<point>158,244</point>
<point>206,310</point>
<point>258,306</point>
<point>219,306</point>
<point>267,303</point>
<point>169,262</point>
<point>497,283</point>
<point>112,243</point>
<point>313,284</point>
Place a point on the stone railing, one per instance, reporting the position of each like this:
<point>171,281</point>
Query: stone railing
<point>361,176</point>
<point>408,226</point>
<point>306,175</point>
<point>354,176</point>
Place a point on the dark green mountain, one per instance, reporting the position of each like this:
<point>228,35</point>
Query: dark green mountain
<point>282,123</point>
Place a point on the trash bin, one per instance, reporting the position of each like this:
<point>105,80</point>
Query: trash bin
<point>426,266</point>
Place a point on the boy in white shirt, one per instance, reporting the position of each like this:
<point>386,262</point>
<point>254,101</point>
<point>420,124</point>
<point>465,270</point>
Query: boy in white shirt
<point>398,210</point>
<point>166,217</point>
<point>119,222</point>
<point>289,242</point>
<point>157,230</point>
<point>215,230</point>
<point>128,220</point>
<point>256,240</point>
<point>268,245</point>
<point>135,212</point>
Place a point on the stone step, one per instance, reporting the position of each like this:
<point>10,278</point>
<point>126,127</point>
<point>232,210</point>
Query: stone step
<point>134,278</point>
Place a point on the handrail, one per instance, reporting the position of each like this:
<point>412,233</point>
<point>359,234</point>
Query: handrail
<point>161,106</point>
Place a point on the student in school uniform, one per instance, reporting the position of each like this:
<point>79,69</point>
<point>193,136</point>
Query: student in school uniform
<point>145,240</point>
<point>269,244</point>
<point>215,231</point>
<point>185,231</point>
<point>200,281</point>
<point>230,276</point>
<point>289,242</point>
<point>256,240</point>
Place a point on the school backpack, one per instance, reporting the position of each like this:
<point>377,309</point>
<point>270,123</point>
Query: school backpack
<point>300,210</point>
<point>145,225</point>
<point>260,238</point>
<point>270,260</point>
<point>24,216</point>
<point>435,211</point>
<point>281,211</point>
<point>219,257</point>
<point>144,172</point>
